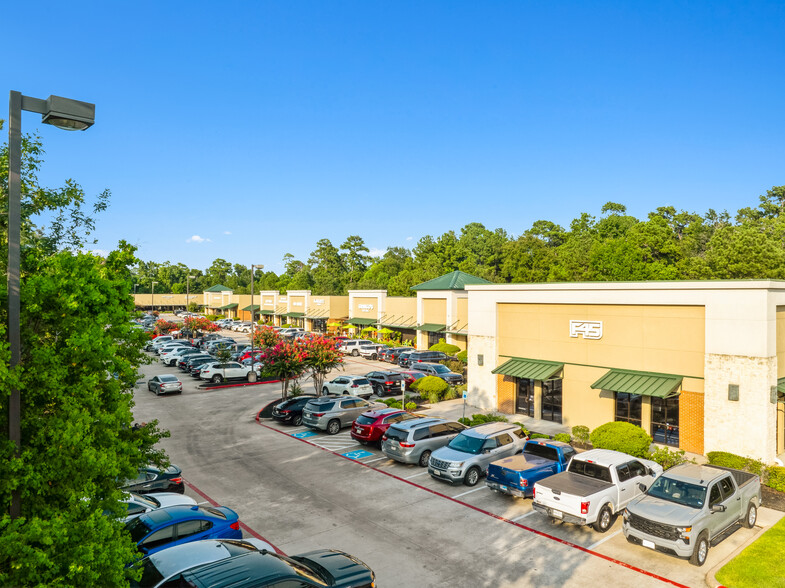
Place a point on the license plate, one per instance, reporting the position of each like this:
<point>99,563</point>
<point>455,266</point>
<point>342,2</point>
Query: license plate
<point>358,430</point>
<point>503,488</point>
<point>557,514</point>
<point>648,544</point>
<point>437,472</point>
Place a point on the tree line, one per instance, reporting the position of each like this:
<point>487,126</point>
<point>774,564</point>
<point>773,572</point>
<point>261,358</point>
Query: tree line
<point>614,246</point>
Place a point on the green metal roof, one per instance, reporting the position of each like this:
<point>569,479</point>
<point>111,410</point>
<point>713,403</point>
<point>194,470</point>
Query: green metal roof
<point>295,314</point>
<point>362,321</point>
<point>431,327</point>
<point>267,312</point>
<point>251,307</point>
<point>643,383</point>
<point>453,281</point>
<point>228,306</point>
<point>218,288</point>
<point>781,390</point>
<point>530,369</point>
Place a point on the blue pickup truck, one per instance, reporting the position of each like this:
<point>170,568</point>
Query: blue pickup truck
<point>516,475</point>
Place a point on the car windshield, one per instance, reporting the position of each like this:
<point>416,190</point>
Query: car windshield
<point>679,492</point>
<point>168,378</point>
<point>150,574</point>
<point>365,420</point>
<point>397,434</point>
<point>466,444</point>
<point>138,529</point>
<point>148,501</point>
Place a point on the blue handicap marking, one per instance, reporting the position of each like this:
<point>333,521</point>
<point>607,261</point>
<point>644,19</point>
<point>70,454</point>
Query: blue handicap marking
<point>359,454</point>
<point>464,394</point>
<point>303,434</point>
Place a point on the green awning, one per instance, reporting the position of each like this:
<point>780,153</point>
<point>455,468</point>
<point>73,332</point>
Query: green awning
<point>781,390</point>
<point>316,314</point>
<point>267,312</point>
<point>362,321</point>
<point>295,314</point>
<point>228,306</point>
<point>529,369</point>
<point>251,307</point>
<point>643,383</point>
<point>431,327</point>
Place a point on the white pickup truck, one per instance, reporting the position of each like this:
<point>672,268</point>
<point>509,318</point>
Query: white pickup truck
<point>596,487</point>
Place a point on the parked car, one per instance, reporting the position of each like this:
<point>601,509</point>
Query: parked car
<point>385,382</point>
<point>403,358</point>
<point>170,346</point>
<point>164,384</point>
<point>175,525</point>
<point>152,479</point>
<point>391,354</point>
<point>516,475</point>
<point>138,504</point>
<point>325,567</point>
<point>688,507</point>
<point>162,567</point>
<point>184,363</point>
<point>352,346</point>
<point>596,487</point>
<point>218,372</point>
<point>332,414</point>
<point>160,340</point>
<point>416,357</point>
<point>370,426</point>
<point>174,355</point>
<point>413,441</point>
<point>466,458</point>
<point>215,347</point>
<point>208,338</point>
<point>290,411</point>
<point>349,385</point>
<point>409,376</point>
<point>371,351</point>
<point>440,371</point>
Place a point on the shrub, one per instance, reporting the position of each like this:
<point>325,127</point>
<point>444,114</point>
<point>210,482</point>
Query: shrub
<point>432,385</point>
<point>432,397</point>
<point>539,436</point>
<point>563,437</point>
<point>737,462</point>
<point>393,403</point>
<point>581,434</point>
<point>667,458</point>
<point>479,419</point>
<point>450,394</point>
<point>620,436</point>
<point>463,356</point>
<point>776,478</point>
<point>414,385</point>
<point>447,348</point>
<point>295,389</point>
<point>465,421</point>
<point>455,366</point>
<point>410,406</point>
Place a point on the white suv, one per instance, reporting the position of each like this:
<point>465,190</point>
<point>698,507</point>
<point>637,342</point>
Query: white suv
<point>218,372</point>
<point>352,346</point>
<point>349,386</point>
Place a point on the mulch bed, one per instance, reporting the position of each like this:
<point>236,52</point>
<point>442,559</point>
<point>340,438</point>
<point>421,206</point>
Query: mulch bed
<point>773,499</point>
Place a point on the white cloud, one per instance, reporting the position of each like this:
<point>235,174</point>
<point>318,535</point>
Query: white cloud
<point>377,252</point>
<point>197,239</point>
<point>227,232</point>
<point>409,238</point>
<point>100,252</point>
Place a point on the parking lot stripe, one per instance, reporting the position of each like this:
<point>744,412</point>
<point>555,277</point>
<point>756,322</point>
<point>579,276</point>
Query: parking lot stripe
<point>470,491</point>
<point>531,512</point>
<point>377,459</point>
<point>603,540</point>
<point>415,475</point>
<point>497,517</point>
<point>245,527</point>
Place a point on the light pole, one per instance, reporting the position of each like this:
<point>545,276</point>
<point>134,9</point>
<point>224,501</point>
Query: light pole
<point>188,290</point>
<point>253,322</point>
<point>152,298</point>
<point>63,113</point>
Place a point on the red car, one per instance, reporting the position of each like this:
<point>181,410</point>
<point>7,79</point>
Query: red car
<point>410,376</point>
<point>370,426</point>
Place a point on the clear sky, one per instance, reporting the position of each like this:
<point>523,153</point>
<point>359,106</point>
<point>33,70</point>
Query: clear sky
<point>246,130</point>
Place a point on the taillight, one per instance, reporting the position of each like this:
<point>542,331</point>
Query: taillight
<point>524,482</point>
<point>177,480</point>
<point>584,508</point>
<point>388,383</point>
<point>384,437</point>
<point>286,411</point>
<point>318,414</point>
<point>354,385</point>
<point>235,526</point>
<point>534,491</point>
<point>406,444</point>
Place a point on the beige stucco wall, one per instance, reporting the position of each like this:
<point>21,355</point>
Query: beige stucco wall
<point>401,306</point>
<point>371,303</point>
<point>462,311</point>
<point>434,310</point>
<point>339,306</point>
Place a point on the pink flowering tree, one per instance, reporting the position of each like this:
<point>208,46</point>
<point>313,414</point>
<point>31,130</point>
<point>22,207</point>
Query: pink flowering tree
<point>285,361</point>
<point>321,357</point>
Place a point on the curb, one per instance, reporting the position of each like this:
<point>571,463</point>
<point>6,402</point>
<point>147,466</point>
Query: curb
<point>711,580</point>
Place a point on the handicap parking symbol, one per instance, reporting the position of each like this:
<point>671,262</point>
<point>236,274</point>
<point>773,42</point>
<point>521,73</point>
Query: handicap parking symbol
<point>303,434</point>
<point>359,454</point>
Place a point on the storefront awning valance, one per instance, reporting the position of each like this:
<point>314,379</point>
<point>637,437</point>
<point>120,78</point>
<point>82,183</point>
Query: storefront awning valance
<point>398,322</point>
<point>431,327</point>
<point>267,312</point>
<point>317,314</point>
<point>295,314</point>
<point>529,369</point>
<point>643,383</point>
<point>781,390</point>
<point>362,321</point>
<point>228,306</point>
<point>253,307</point>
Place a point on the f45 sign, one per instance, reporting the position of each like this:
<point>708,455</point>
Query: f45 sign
<point>586,329</point>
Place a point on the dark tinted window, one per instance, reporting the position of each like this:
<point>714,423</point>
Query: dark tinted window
<point>320,406</point>
<point>568,452</point>
<point>440,430</point>
<point>422,433</point>
<point>397,434</point>
<point>541,451</point>
<point>456,427</point>
<point>715,497</point>
<point>623,471</point>
<point>159,537</point>
<point>504,440</point>
<point>727,487</point>
<point>349,404</point>
<point>135,509</point>
<point>364,420</point>
<point>362,382</point>
<point>394,418</point>
<point>187,528</point>
<point>591,470</point>
<point>637,469</point>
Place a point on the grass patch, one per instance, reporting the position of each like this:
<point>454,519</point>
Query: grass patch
<point>758,565</point>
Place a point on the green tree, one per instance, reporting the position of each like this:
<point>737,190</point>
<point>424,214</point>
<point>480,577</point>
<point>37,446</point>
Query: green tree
<point>355,258</point>
<point>328,270</point>
<point>321,357</point>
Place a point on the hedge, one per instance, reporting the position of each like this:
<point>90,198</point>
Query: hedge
<point>776,478</point>
<point>447,348</point>
<point>431,384</point>
<point>563,437</point>
<point>481,419</point>
<point>624,437</point>
<point>463,356</point>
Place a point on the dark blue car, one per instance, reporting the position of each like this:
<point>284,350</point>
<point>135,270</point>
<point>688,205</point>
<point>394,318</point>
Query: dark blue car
<point>175,525</point>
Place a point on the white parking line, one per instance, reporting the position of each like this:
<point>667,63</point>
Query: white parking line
<point>202,502</point>
<point>531,512</point>
<point>377,459</point>
<point>415,475</point>
<point>601,541</point>
<point>470,491</point>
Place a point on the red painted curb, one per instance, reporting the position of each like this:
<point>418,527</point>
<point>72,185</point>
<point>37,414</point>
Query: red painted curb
<point>244,527</point>
<point>490,514</point>
<point>239,385</point>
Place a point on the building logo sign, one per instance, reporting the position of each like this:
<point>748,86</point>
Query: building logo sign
<point>317,301</point>
<point>282,299</point>
<point>365,307</point>
<point>297,303</point>
<point>586,329</point>
<point>268,301</point>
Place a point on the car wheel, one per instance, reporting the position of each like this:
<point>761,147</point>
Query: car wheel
<point>425,456</point>
<point>252,376</point>
<point>374,356</point>
<point>297,420</point>
<point>472,477</point>
<point>325,391</point>
<point>752,516</point>
<point>355,353</point>
<point>604,520</point>
<point>217,379</point>
<point>701,552</point>
<point>333,427</point>
<point>378,390</point>
<point>157,391</point>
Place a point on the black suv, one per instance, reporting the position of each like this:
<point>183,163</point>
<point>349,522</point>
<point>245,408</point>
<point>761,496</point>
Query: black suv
<point>385,382</point>
<point>416,357</point>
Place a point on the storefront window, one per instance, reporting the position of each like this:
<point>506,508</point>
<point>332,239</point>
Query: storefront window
<point>524,403</point>
<point>628,408</point>
<point>433,339</point>
<point>552,400</point>
<point>665,420</point>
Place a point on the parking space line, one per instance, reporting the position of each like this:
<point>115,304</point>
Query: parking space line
<point>469,492</point>
<point>377,459</point>
<point>415,475</point>
<point>531,512</point>
<point>603,540</point>
<point>501,518</point>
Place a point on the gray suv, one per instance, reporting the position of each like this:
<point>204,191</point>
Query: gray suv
<point>413,441</point>
<point>440,371</point>
<point>331,414</point>
<point>466,457</point>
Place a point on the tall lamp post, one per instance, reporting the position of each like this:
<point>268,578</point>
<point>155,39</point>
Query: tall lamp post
<point>152,298</point>
<point>67,114</point>
<point>188,290</point>
<point>253,322</point>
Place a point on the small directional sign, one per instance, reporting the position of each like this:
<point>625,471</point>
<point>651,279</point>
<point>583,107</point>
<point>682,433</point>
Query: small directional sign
<point>303,434</point>
<point>359,454</point>
<point>464,394</point>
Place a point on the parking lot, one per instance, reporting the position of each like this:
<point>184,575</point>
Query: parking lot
<point>300,490</point>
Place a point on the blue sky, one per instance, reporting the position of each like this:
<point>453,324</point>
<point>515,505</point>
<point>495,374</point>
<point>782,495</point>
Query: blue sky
<point>261,127</point>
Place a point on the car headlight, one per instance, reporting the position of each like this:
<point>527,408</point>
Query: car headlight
<point>684,532</point>
<point>625,515</point>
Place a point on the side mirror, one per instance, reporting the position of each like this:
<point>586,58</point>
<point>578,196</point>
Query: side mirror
<point>718,508</point>
<point>642,487</point>
<point>650,471</point>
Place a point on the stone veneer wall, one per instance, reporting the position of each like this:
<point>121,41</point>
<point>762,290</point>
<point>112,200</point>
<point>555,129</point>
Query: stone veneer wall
<point>505,388</point>
<point>691,419</point>
<point>481,391</point>
<point>747,426</point>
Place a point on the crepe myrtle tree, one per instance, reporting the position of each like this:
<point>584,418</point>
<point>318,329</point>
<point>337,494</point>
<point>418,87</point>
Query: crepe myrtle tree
<point>199,323</point>
<point>162,327</point>
<point>321,357</point>
<point>285,361</point>
<point>264,337</point>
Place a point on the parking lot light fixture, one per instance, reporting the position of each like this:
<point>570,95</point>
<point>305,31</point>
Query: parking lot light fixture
<point>188,290</point>
<point>63,113</point>
<point>152,297</point>
<point>253,321</point>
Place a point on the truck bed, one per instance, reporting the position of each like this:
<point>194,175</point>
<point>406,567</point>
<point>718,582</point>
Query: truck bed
<point>574,484</point>
<point>741,478</point>
<point>522,462</point>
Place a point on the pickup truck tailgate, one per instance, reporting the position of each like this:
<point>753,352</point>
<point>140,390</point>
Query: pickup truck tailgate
<point>566,491</point>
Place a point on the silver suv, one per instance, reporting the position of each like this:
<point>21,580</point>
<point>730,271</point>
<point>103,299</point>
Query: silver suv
<point>331,414</point>
<point>466,457</point>
<point>413,441</point>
